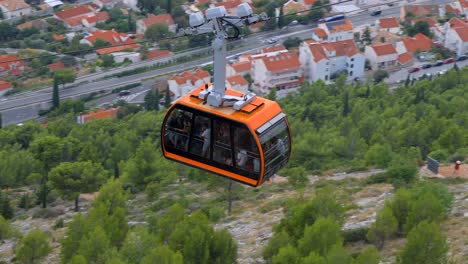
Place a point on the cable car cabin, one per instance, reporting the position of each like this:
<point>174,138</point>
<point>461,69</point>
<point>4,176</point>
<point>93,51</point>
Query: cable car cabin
<point>249,145</point>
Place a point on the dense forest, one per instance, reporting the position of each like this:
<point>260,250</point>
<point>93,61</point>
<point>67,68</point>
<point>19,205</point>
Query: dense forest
<point>336,127</point>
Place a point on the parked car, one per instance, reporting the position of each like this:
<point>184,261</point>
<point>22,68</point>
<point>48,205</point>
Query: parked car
<point>411,70</point>
<point>462,58</point>
<point>449,60</point>
<point>124,93</point>
<point>422,58</point>
<point>271,41</point>
<point>294,22</point>
<point>426,66</point>
<point>425,76</point>
<point>437,63</point>
<point>376,13</point>
<point>442,72</point>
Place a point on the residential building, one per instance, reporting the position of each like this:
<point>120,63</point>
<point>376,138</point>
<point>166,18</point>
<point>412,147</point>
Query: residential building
<point>405,60</point>
<point>181,84</point>
<point>107,3</point>
<point>389,24</point>
<point>237,82</point>
<point>334,31</point>
<point>38,23</point>
<point>110,113</point>
<point>419,11</point>
<point>280,69</point>
<point>292,6</point>
<point>157,54</point>
<point>11,65</point>
<point>464,7</point>
<point>326,60</point>
<point>382,56</point>
<point>307,3</point>
<point>143,24</point>
<point>14,8</point>
<point>55,66</point>
<point>230,5</point>
<point>419,42</point>
<point>75,11</point>
<point>120,56</point>
<point>119,41</point>
<point>273,49</point>
<point>86,21</point>
<point>456,37</point>
<point>240,68</point>
<point>5,87</point>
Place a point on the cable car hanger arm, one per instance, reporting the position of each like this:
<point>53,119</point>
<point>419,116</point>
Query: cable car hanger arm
<point>216,22</point>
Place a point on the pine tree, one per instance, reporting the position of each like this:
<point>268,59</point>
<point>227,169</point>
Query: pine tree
<point>5,206</point>
<point>33,247</point>
<point>55,95</point>
<point>157,97</point>
<point>366,37</point>
<point>167,98</point>
<point>169,6</point>
<point>281,18</point>
<point>1,120</point>
<point>408,81</point>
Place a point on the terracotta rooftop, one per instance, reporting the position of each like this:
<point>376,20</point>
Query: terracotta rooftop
<point>464,3</point>
<point>320,50</point>
<point>153,54</point>
<point>14,5</point>
<point>163,19</point>
<point>183,77</point>
<point>4,85</point>
<point>231,4</point>
<point>384,49</point>
<point>419,42</point>
<point>9,59</point>
<point>457,22</point>
<point>74,12</point>
<point>449,8</point>
<point>56,65</point>
<point>320,32</point>
<point>340,25</point>
<point>388,22</point>
<point>117,49</point>
<point>273,49</point>
<point>111,36</point>
<point>285,61</point>
<point>237,80</point>
<point>58,37</point>
<point>293,6</point>
<point>99,114</point>
<point>404,58</point>
<point>309,2</point>
<point>242,66</point>
<point>462,32</point>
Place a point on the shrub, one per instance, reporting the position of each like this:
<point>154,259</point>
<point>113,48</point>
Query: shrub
<point>215,214</point>
<point>355,235</point>
<point>439,155</point>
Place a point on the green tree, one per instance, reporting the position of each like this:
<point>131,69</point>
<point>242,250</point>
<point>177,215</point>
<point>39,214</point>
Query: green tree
<point>425,244</point>
<point>6,210</point>
<point>297,177</point>
<point>157,32</point>
<point>137,244</point>
<point>163,255</point>
<point>6,231</point>
<point>281,20</point>
<point>152,100</point>
<point>95,246</point>
<point>287,255</point>
<point>383,228</point>
<point>77,230</point>
<point>1,120</point>
<point>369,255</point>
<point>314,258</point>
<point>278,241</point>
<point>107,60</point>
<point>425,208</point>
<point>380,75</point>
<point>33,247</point>
<point>401,205</point>
<point>379,155</point>
<point>100,43</point>
<point>73,178</point>
<point>401,171</point>
<point>55,95</point>
<point>338,255</point>
<point>64,76</point>
<point>292,42</point>
<point>167,97</point>
<point>366,37</point>
<point>419,27</point>
<point>320,237</point>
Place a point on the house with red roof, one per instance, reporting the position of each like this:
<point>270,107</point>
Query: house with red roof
<point>157,54</point>
<point>273,49</point>
<point>110,113</point>
<point>280,69</point>
<point>326,60</point>
<point>119,41</point>
<point>382,56</point>
<point>333,31</point>
<point>419,42</point>
<point>55,66</point>
<point>456,37</point>
<point>307,3</point>
<point>75,11</point>
<point>389,24</point>
<point>5,87</point>
<point>14,8</point>
<point>40,24</point>
<point>11,65</point>
<point>405,60</point>
<point>292,6</point>
<point>230,5</point>
<point>109,4</point>
<point>86,21</point>
<point>237,82</point>
<point>241,68</point>
<point>143,24</point>
<point>464,6</point>
<point>184,82</point>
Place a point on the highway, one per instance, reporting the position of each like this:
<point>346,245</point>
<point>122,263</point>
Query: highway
<point>20,107</point>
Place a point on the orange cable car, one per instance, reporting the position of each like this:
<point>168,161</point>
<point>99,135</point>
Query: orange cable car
<point>248,146</point>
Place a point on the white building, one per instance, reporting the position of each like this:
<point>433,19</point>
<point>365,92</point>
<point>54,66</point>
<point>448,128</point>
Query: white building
<point>418,43</point>
<point>382,56</point>
<point>280,69</point>
<point>237,82</point>
<point>325,60</point>
<point>389,24</point>
<point>14,8</point>
<point>333,31</point>
<point>241,68</point>
<point>456,37</point>
<point>119,57</point>
<point>143,24</point>
<point>183,83</point>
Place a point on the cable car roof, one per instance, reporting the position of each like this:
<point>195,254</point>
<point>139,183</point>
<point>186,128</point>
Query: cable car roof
<point>254,115</point>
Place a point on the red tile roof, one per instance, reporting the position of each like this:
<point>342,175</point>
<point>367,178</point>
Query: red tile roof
<point>449,8</point>
<point>285,61</point>
<point>404,58</point>
<point>293,6</point>
<point>163,19</point>
<point>56,65</point>
<point>237,80</point>
<point>320,32</point>
<point>4,85</point>
<point>340,48</point>
<point>117,49</point>
<point>58,37</point>
<point>419,42</point>
<point>457,22</point>
<point>111,36</point>
<point>152,54</point>
<point>99,114</point>
<point>309,2</point>
<point>383,49</point>
<point>464,3</point>
<point>242,66</point>
<point>102,16</point>
<point>190,76</point>
<point>232,4</point>
<point>11,63</point>
<point>389,22</point>
<point>347,26</point>
<point>273,49</point>
<point>462,33</point>
<point>74,12</point>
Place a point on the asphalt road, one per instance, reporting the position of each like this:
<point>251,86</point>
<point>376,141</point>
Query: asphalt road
<point>21,107</point>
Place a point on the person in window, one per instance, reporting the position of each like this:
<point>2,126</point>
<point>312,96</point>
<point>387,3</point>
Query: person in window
<point>206,135</point>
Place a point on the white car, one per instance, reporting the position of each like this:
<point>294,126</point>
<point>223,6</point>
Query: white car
<point>271,41</point>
